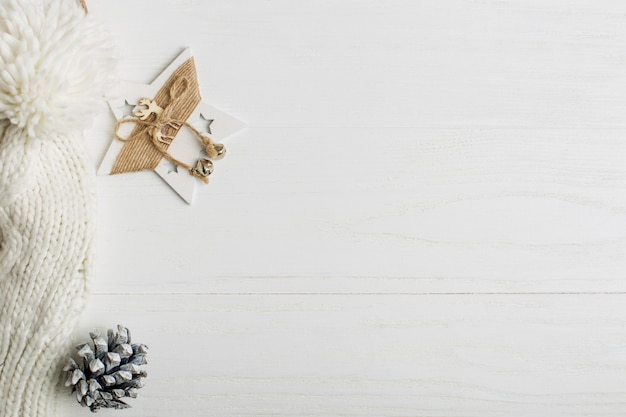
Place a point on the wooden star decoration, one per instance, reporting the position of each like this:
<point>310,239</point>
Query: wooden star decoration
<point>185,146</point>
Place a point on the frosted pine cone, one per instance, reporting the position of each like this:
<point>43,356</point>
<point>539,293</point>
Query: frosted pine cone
<point>109,372</point>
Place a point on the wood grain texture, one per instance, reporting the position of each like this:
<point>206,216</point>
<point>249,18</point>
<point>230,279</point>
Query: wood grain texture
<point>426,216</point>
<point>373,355</point>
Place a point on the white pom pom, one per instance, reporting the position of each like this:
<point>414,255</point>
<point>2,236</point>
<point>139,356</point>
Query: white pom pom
<point>54,62</point>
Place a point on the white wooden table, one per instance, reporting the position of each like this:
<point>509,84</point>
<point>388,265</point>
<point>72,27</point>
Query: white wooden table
<point>425,217</point>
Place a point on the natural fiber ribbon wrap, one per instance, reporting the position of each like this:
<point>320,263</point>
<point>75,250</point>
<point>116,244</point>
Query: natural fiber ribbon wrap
<point>140,154</point>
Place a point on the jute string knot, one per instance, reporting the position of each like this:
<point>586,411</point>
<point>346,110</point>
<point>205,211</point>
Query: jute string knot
<point>162,125</point>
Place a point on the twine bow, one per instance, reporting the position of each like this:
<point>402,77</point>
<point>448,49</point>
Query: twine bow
<point>159,124</point>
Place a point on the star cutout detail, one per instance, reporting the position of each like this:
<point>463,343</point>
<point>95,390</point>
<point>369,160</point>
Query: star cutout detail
<point>185,146</point>
<point>127,108</point>
<point>208,124</point>
<point>171,167</point>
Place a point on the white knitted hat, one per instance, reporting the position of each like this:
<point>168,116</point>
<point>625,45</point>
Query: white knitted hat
<point>54,64</point>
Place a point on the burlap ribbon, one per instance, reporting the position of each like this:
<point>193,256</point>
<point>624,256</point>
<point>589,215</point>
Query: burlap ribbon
<point>159,124</point>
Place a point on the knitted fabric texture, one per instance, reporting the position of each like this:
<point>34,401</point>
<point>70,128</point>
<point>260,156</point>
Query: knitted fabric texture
<point>54,66</point>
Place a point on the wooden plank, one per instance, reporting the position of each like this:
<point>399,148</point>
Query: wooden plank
<point>344,355</point>
<point>452,63</point>
<point>407,210</point>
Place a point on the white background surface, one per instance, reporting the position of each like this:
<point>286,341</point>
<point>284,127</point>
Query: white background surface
<point>425,217</point>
